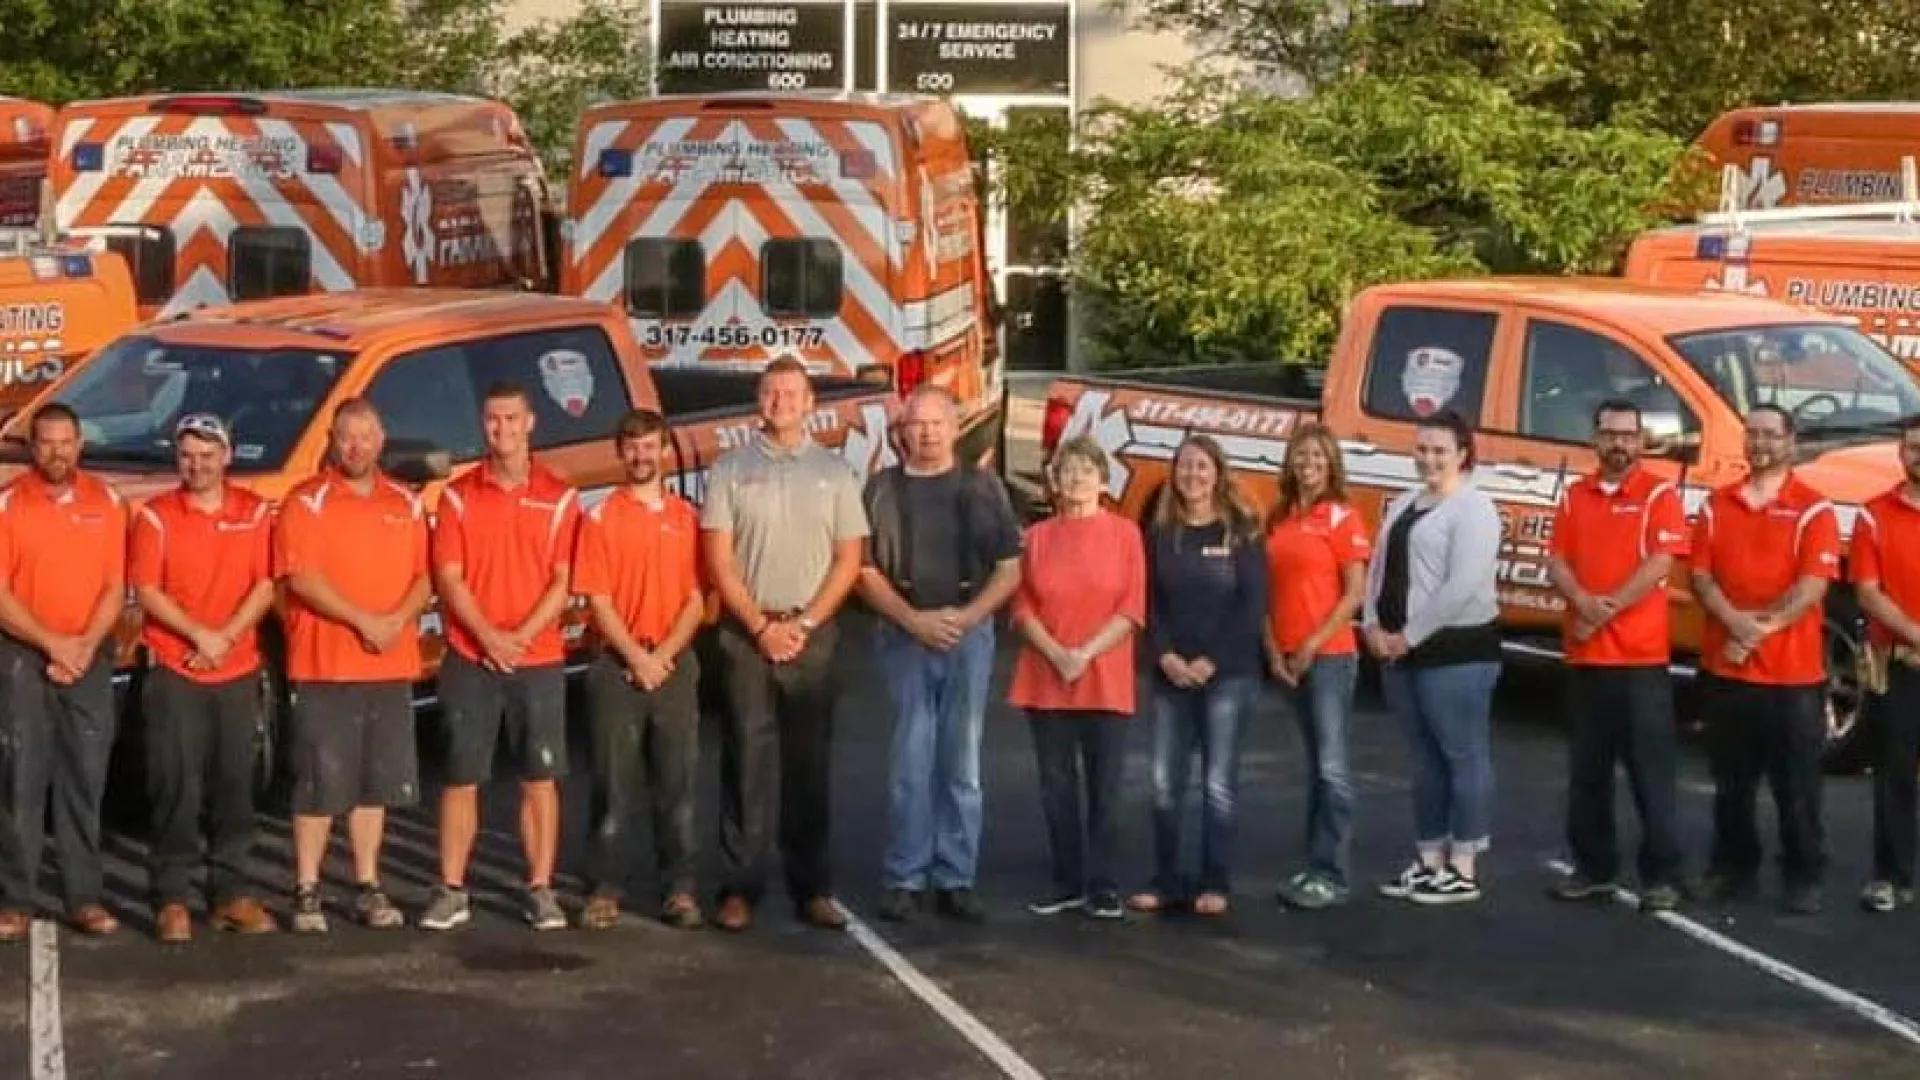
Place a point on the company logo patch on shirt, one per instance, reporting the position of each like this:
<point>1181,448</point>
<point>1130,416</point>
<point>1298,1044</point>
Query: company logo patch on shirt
<point>396,519</point>
<point>536,504</point>
<point>89,520</point>
<point>1628,508</point>
<point>1828,558</point>
<point>1216,551</point>
<point>1785,513</point>
<point>1667,536</point>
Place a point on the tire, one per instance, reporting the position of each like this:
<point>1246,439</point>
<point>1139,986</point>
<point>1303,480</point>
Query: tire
<point>1849,735</point>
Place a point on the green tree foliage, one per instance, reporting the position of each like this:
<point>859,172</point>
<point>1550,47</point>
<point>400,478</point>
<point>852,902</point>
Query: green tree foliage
<point>62,50</point>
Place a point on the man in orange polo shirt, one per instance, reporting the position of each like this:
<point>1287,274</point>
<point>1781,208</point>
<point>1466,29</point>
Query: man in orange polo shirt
<point>1764,550</point>
<point>63,547</point>
<point>200,564</point>
<point>1615,538</point>
<point>503,553</point>
<point>352,551</point>
<point>1886,574</point>
<point>638,567</point>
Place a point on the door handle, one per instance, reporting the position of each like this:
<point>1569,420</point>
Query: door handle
<point>1358,447</point>
<point>1517,472</point>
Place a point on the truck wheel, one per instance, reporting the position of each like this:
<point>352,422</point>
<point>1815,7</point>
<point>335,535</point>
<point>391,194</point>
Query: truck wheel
<point>272,774</point>
<point>1849,738</point>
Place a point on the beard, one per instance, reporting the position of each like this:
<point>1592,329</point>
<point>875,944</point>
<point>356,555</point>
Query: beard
<point>1617,461</point>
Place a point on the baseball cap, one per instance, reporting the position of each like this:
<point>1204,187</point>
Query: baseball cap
<point>205,425</point>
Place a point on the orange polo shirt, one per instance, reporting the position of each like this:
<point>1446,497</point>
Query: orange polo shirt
<point>372,549</point>
<point>645,560</point>
<point>1886,552</point>
<point>1755,554</point>
<point>1305,556</point>
<point>1605,532</point>
<point>1076,575</point>
<point>207,563</point>
<point>507,543</point>
<point>60,549</point>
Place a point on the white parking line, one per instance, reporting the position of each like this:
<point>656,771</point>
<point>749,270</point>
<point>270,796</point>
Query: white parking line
<point>1871,1011</point>
<point>992,1046</point>
<point>46,1046</point>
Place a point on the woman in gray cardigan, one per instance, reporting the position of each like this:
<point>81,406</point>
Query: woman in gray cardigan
<point>1431,619</point>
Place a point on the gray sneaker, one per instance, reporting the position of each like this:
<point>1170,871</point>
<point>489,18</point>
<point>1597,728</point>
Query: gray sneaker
<point>544,911</point>
<point>308,916</point>
<point>375,911</point>
<point>447,909</point>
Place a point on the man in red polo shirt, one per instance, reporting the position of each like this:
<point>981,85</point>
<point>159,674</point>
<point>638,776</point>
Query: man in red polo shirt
<point>503,552</point>
<point>1764,549</point>
<point>1886,574</point>
<point>200,564</point>
<point>1615,538</point>
<point>638,567</point>
<point>63,549</point>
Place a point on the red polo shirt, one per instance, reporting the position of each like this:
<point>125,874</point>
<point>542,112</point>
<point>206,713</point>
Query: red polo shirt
<point>1886,552</point>
<point>1606,532</point>
<point>1755,554</point>
<point>507,543</point>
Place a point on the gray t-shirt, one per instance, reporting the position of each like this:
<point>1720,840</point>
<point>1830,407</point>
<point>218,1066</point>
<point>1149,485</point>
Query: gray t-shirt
<point>937,538</point>
<point>786,509</point>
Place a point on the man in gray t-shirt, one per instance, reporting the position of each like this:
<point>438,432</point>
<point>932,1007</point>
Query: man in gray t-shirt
<point>783,530</point>
<point>945,556</point>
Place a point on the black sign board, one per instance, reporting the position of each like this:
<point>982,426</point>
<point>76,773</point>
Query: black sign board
<point>710,47</point>
<point>959,48</point>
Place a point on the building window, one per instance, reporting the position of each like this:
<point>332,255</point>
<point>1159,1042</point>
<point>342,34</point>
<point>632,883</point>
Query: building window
<point>666,279</point>
<point>800,278</point>
<point>269,260</point>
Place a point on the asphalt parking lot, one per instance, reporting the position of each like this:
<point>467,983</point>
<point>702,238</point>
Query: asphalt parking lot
<point>1517,986</point>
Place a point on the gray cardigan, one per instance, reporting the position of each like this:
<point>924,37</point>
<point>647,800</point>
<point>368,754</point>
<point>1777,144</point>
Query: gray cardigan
<point>1452,558</point>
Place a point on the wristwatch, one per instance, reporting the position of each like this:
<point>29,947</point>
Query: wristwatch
<point>806,624</point>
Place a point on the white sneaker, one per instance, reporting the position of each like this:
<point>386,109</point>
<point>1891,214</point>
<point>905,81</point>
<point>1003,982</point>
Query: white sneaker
<point>1446,887</point>
<point>1410,881</point>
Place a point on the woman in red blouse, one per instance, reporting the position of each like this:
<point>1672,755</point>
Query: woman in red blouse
<point>1317,548</point>
<point>1083,596</point>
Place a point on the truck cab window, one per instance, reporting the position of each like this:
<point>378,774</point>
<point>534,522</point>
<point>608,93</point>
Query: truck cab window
<point>429,396</point>
<point>665,278</point>
<point>1569,371</point>
<point>1425,360</point>
<point>269,260</point>
<point>800,278</point>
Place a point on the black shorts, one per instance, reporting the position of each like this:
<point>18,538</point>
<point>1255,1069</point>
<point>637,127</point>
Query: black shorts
<point>530,702</point>
<point>353,746</point>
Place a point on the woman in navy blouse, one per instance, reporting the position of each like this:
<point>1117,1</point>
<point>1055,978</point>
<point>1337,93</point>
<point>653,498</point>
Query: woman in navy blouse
<point>1206,606</point>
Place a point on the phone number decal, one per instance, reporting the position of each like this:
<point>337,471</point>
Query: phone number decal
<point>1215,417</point>
<point>769,336</point>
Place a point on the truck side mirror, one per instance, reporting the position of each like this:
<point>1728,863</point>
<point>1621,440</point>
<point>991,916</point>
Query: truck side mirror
<point>415,462</point>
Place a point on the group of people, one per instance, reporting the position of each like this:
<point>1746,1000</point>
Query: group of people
<point>1216,601</point>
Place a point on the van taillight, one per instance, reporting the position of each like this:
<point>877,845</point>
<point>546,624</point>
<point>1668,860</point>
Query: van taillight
<point>324,159</point>
<point>1053,424</point>
<point>211,105</point>
<point>1756,132</point>
<point>909,372</point>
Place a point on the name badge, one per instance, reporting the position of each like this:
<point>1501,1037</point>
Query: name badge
<point>1217,552</point>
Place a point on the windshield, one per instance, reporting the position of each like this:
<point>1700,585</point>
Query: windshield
<point>1834,380</point>
<point>130,395</point>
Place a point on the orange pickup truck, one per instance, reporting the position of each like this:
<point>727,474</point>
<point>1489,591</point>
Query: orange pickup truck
<point>274,369</point>
<point>1527,361</point>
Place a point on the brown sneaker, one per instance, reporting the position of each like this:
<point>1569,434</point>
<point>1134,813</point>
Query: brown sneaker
<point>682,912</point>
<point>14,926</point>
<point>94,920</point>
<point>822,913</point>
<point>174,924</point>
<point>245,916</point>
<point>735,914</point>
<point>601,913</point>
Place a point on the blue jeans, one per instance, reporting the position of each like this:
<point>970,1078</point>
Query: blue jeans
<point>1446,712</point>
<point>1321,705</point>
<point>939,702</point>
<point>1207,719</point>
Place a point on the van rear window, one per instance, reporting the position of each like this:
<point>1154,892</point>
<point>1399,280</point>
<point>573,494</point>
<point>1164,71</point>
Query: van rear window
<point>269,260</point>
<point>666,278</point>
<point>801,278</point>
<point>149,255</point>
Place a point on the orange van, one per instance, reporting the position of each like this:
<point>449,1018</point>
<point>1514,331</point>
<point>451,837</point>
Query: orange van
<point>214,198</point>
<point>1801,155</point>
<point>23,160</point>
<point>844,230</point>
<point>57,305</point>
